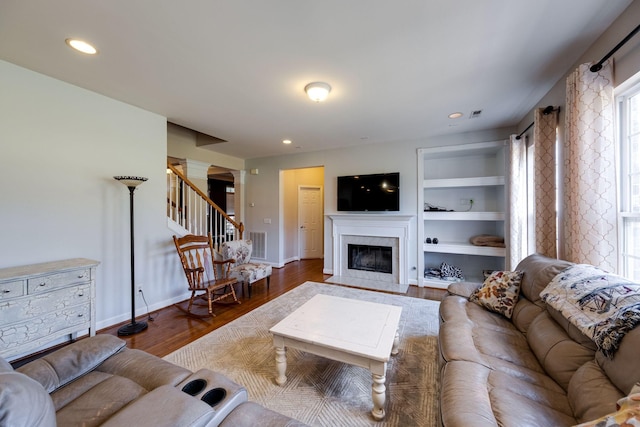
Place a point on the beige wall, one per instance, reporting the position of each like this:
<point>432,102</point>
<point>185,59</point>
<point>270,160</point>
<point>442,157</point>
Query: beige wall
<point>292,179</point>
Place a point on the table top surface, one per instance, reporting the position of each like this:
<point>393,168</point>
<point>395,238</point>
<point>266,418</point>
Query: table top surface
<point>354,326</point>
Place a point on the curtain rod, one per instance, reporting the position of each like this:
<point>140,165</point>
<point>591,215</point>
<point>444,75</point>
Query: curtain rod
<point>597,67</point>
<point>548,110</point>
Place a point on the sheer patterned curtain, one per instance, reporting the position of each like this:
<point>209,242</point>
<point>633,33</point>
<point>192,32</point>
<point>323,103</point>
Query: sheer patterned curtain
<point>590,207</point>
<point>544,145</point>
<point>517,200</point>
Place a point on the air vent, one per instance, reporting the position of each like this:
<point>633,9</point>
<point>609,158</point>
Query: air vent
<point>475,114</point>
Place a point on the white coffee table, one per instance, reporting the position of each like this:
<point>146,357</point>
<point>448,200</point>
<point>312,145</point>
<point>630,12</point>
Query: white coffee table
<point>357,332</point>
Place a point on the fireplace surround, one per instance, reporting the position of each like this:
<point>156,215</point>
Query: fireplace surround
<point>372,230</point>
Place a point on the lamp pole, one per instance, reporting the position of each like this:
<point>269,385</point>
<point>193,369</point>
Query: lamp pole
<point>134,327</point>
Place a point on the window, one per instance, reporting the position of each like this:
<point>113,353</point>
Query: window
<point>629,219</point>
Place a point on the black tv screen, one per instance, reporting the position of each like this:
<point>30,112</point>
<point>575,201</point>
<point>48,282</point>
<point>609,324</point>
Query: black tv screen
<point>375,192</point>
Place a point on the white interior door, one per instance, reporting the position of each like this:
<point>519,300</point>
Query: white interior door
<point>310,222</point>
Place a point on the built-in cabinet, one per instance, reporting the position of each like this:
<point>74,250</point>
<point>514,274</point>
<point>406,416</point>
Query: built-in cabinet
<point>461,194</point>
<point>40,303</point>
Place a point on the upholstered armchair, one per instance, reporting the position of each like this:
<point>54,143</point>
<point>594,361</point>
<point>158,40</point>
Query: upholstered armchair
<point>243,268</point>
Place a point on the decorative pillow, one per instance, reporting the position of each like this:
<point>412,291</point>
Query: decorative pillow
<point>240,250</point>
<point>499,292</point>
<point>450,271</point>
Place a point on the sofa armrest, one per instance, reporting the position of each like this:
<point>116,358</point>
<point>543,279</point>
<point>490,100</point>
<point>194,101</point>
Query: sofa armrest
<point>163,406</point>
<point>463,289</point>
<point>59,368</point>
<point>209,385</point>
<point>23,402</point>
<point>147,370</point>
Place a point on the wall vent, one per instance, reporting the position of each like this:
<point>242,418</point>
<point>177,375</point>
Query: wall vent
<point>259,240</point>
<point>475,114</point>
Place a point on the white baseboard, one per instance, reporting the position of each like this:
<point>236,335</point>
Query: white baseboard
<point>141,311</point>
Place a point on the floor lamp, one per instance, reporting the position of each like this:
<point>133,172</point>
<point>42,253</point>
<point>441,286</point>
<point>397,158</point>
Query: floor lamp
<point>134,327</point>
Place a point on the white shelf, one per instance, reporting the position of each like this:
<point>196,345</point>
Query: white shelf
<point>432,282</point>
<point>464,249</point>
<point>479,181</point>
<point>436,283</point>
<point>463,216</point>
<point>450,176</point>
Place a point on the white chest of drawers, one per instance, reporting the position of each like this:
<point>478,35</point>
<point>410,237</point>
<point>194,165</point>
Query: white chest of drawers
<point>40,303</point>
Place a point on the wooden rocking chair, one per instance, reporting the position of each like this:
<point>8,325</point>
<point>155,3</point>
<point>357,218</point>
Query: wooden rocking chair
<point>204,273</point>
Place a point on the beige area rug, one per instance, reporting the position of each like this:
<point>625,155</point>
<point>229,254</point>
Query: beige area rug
<point>318,391</point>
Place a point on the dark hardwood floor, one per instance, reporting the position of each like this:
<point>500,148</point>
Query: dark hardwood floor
<point>172,328</point>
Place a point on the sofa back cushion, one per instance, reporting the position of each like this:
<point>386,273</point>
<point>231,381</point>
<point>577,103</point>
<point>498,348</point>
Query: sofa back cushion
<point>59,368</point>
<point>559,355</point>
<point>623,369</point>
<point>538,270</point>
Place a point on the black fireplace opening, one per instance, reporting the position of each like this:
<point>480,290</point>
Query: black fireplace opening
<point>370,258</point>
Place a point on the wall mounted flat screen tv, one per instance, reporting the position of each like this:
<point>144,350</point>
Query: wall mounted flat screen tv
<point>374,192</point>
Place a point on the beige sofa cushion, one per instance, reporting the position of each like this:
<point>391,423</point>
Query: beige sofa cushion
<point>538,271</point>
<point>23,402</point>
<point>559,355</point>
<point>591,394</point>
<point>487,397</point>
<point>624,368</point>
<point>59,368</point>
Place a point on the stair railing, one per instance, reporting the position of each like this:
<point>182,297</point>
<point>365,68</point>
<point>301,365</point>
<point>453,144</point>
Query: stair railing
<point>192,209</point>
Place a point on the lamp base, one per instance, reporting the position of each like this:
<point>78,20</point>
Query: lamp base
<point>132,328</point>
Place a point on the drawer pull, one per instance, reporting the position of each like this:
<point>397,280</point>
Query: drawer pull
<point>81,276</point>
<point>6,291</point>
<point>80,294</point>
<point>80,315</point>
<point>43,284</point>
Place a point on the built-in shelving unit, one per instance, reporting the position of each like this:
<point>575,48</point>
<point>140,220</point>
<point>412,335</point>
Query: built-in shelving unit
<point>449,178</point>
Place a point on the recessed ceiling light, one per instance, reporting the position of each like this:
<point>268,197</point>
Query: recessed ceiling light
<point>455,115</point>
<point>286,141</point>
<point>81,46</point>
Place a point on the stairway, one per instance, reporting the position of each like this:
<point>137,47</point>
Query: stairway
<point>190,211</point>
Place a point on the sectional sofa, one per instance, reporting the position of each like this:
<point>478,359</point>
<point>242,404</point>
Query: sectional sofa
<point>529,364</point>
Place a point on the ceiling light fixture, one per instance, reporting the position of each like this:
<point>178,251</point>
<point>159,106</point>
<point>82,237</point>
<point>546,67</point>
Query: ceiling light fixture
<point>81,46</point>
<point>317,91</point>
<point>455,115</point>
<point>286,141</point>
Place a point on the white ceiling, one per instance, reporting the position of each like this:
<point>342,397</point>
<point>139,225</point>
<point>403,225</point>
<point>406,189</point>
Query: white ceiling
<point>236,69</point>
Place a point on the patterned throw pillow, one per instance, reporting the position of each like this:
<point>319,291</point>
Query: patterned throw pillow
<point>499,292</point>
<point>450,271</point>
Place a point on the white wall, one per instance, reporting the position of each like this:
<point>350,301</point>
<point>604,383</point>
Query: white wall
<point>388,157</point>
<point>60,147</point>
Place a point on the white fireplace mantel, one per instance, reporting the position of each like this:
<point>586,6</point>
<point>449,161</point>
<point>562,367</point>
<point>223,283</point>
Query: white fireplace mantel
<point>372,225</point>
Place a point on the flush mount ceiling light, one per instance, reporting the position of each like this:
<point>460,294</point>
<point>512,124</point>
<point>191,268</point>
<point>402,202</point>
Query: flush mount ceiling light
<point>455,115</point>
<point>81,46</point>
<point>317,91</point>
<point>286,141</point>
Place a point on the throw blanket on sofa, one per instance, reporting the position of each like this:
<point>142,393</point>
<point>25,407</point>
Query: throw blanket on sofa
<point>602,305</point>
